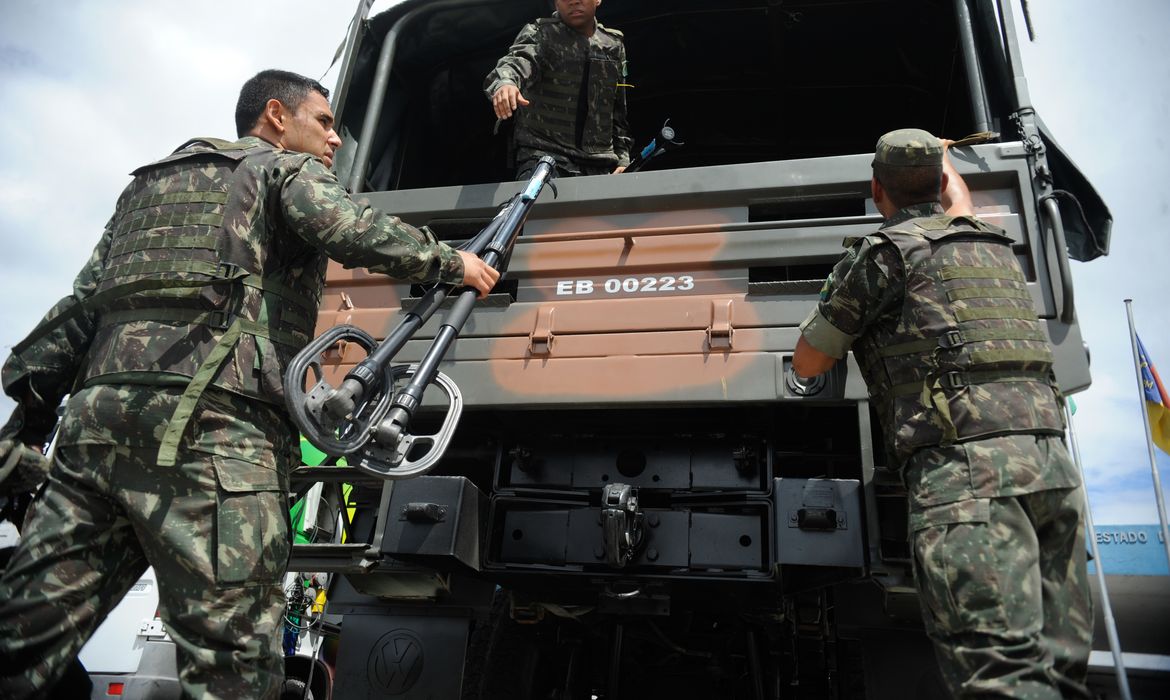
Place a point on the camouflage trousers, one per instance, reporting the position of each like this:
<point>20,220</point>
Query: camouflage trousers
<point>1005,594</point>
<point>526,160</point>
<point>214,527</point>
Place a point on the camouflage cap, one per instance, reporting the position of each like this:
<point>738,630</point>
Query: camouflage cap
<point>908,147</point>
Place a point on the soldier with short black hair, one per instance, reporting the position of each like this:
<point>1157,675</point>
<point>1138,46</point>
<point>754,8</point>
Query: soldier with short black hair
<point>175,447</point>
<point>935,308</point>
<point>573,71</point>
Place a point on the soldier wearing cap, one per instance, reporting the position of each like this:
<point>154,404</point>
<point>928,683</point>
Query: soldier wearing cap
<point>935,308</point>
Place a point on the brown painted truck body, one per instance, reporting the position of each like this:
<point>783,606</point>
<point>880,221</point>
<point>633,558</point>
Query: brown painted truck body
<point>640,339</point>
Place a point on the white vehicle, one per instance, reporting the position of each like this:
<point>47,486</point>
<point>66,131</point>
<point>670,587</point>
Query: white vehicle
<point>130,655</point>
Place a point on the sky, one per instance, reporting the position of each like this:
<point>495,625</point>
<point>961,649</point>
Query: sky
<point>92,89</point>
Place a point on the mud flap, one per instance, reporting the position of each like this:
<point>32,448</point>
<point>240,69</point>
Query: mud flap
<point>401,656</point>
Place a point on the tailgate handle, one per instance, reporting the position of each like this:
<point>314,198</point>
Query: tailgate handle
<point>541,339</point>
<point>720,332</point>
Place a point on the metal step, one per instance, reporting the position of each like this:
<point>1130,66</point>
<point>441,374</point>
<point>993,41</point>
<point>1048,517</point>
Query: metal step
<point>353,558</point>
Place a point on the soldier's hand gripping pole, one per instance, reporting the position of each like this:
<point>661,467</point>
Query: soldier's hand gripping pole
<point>364,417</point>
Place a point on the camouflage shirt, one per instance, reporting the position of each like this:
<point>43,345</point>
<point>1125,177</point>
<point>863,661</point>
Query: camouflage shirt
<point>294,204</point>
<point>866,292</point>
<point>576,86</point>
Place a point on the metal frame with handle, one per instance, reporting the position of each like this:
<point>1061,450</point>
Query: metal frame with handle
<point>367,417</point>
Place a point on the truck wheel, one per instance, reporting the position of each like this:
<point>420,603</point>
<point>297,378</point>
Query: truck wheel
<point>295,689</point>
<point>296,674</point>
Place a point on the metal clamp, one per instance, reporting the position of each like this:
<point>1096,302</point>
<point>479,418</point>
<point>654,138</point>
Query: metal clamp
<point>220,320</point>
<point>951,339</point>
<point>622,522</point>
<point>953,380</point>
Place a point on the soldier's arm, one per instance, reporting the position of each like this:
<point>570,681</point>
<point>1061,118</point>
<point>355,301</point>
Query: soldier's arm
<point>623,142</point>
<point>318,209</point>
<point>520,67</point>
<point>862,287</point>
<point>39,374</point>
<point>956,198</point>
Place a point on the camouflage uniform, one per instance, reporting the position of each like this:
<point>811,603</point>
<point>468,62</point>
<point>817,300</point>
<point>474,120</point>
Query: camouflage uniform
<point>959,371</point>
<point>175,447</point>
<point>576,88</point>
<point>22,468</point>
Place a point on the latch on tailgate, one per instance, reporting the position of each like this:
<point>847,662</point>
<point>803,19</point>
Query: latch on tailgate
<point>720,332</point>
<point>541,339</point>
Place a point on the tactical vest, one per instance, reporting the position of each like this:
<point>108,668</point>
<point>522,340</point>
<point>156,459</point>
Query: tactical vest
<point>968,358</point>
<point>567,58</point>
<point>199,287</point>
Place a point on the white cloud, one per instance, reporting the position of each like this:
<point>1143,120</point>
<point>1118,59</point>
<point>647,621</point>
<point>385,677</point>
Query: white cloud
<point>1123,507</point>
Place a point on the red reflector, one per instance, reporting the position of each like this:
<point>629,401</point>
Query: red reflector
<point>115,689</point>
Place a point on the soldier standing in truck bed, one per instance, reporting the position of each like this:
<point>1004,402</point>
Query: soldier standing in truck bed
<point>958,366</point>
<point>175,447</point>
<point>564,79</point>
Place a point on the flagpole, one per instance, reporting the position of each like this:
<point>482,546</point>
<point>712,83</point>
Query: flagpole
<point>1137,366</point>
<point>1106,606</point>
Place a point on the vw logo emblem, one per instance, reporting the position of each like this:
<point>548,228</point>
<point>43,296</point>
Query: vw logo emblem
<point>396,662</point>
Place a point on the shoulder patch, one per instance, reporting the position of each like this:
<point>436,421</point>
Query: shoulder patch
<point>217,144</point>
<point>934,223</point>
<point>902,229</point>
<point>610,30</point>
<point>872,239</point>
<point>981,225</point>
<point>826,288</point>
<point>940,227</point>
<point>203,147</point>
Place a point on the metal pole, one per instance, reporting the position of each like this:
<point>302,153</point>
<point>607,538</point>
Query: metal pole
<point>1137,368</point>
<point>357,173</point>
<point>1012,53</point>
<point>975,84</point>
<point>346,51</point>
<point>1106,607</point>
<point>615,664</point>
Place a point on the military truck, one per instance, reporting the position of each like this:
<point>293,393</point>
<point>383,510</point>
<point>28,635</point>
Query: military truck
<point>638,500</point>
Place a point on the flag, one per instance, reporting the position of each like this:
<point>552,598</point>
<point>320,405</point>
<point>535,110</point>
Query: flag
<point>1157,400</point>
